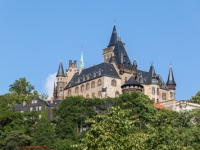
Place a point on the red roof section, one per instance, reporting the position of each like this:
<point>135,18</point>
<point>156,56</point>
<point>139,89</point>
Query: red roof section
<point>158,106</point>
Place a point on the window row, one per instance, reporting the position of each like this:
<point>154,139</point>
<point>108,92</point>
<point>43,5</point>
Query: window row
<point>36,108</point>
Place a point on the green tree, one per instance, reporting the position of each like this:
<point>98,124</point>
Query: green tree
<point>196,98</point>
<point>43,133</point>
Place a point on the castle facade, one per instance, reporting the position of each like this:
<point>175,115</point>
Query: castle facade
<point>116,75</point>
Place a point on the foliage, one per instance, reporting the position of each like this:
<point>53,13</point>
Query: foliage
<point>43,96</point>
<point>196,98</point>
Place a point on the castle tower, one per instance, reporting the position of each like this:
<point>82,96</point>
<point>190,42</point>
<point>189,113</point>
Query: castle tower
<point>171,84</point>
<point>131,85</point>
<point>60,82</point>
<point>108,52</point>
<point>135,69</point>
<point>81,67</point>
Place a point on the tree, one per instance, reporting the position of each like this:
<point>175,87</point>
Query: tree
<point>196,98</point>
<point>21,87</point>
<point>43,133</point>
<point>43,96</point>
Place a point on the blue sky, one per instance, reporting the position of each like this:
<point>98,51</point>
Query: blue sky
<point>35,34</point>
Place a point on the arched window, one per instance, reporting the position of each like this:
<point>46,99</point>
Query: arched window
<point>170,94</point>
<point>113,82</point>
<point>93,95</point>
<point>117,94</point>
<point>157,91</point>
<point>87,96</point>
<point>93,84</point>
<point>82,88</point>
<point>99,83</point>
<point>76,90</point>
<point>87,86</point>
<point>69,92</point>
<point>153,90</point>
<point>61,91</point>
<point>99,94</point>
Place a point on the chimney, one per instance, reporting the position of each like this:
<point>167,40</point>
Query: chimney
<point>51,100</point>
<point>24,103</point>
<point>94,64</point>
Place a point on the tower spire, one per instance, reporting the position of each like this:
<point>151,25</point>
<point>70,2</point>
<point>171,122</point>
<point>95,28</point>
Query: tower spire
<point>171,80</point>
<point>60,70</point>
<point>81,61</point>
<point>113,39</point>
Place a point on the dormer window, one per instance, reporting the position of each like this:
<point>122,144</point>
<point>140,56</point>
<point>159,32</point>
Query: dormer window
<point>99,72</point>
<point>83,78</point>
<point>88,77</point>
<point>94,74</point>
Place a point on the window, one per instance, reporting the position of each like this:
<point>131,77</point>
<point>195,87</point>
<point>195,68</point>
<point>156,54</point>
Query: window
<point>40,107</point>
<point>69,93</point>
<point>157,91</point>
<point>37,108</point>
<point>113,82</point>
<point>39,116</point>
<point>35,101</point>
<point>99,83</point>
<point>171,95</point>
<point>82,88</point>
<point>87,96</point>
<point>93,85</point>
<point>153,90</point>
<point>88,77</point>
<point>83,78</point>
<point>61,91</point>
<point>117,94</point>
<point>76,90</point>
<point>93,95</point>
<point>99,72</point>
<point>94,74</point>
<point>31,108</point>
<point>87,86</point>
<point>99,94</point>
<point>164,96</point>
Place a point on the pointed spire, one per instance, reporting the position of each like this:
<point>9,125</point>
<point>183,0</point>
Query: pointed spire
<point>134,63</point>
<point>113,38</point>
<point>171,80</point>
<point>152,70</point>
<point>81,61</point>
<point>60,70</point>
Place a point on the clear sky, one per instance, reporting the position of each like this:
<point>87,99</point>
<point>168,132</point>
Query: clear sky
<point>35,34</point>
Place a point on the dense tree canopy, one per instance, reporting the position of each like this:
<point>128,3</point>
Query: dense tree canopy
<point>196,98</point>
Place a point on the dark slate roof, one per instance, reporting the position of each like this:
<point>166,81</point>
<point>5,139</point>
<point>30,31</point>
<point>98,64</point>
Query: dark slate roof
<point>113,38</point>
<point>121,55</point>
<point>103,69</point>
<point>17,107</point>
<point>60,71</point>
<point>131,81</point>
<point>151,78</point>
<point>54,104</point>
<point>171,80</point>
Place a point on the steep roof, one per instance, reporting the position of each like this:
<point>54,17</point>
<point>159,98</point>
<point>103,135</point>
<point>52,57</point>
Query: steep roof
<point>113,38</point>
<point>171,80</point>
<point>54,104</point>
<point>60,71</point>
<point>103,69</point>
<point>17,107</point>
<point>131,81</point>
<point>151,78</point>
<point>121,56</point>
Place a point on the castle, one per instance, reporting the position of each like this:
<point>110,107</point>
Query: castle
<point>116,75</point>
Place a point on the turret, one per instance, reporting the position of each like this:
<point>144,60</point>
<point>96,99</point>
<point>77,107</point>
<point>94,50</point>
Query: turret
<point>135,69</point>
<point>113,38</point>
<point>171,84</point>
<point>58,90</point>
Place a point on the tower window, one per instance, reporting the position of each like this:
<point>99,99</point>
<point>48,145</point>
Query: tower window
<point>153,90</point>
<point>157,91</point>
<point>164,96</point>
<point>170,94</point>
<point>61,91</point>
